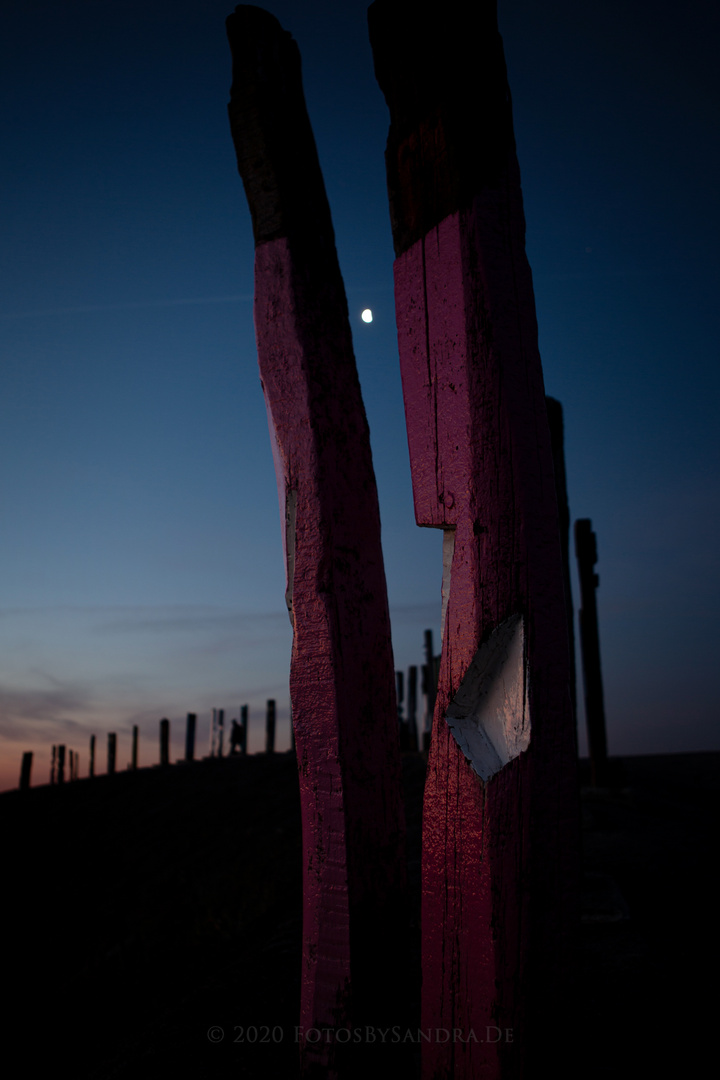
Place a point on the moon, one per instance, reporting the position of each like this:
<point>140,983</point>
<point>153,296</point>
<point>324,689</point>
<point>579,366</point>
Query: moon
<point>366,315</point>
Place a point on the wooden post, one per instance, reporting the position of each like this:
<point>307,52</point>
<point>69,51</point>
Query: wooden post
<point>557,445</point>
<point>25,770</point>
<point>91,771</point>
<point>53,766</point>
<point>341,678</point>
<point>221,732</point>
<point>500,817</point>
<point>71,767</point>
<point>111,752</point>
<point>61,764</point>
<point>270,728</point>
<point>412,708</point>
<point>190,736</point>
<point>402,722</point>
<point>244,726</point>
<point>134,760</point>
<point>213,733</point>
<point>586,552</point>
<point>164,742</point>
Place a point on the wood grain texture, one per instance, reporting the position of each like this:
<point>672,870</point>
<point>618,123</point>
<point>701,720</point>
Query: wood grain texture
<point>499,857</point>
<point>342,673</point>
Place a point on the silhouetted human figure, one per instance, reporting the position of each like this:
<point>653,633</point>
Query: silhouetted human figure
<point>236,738</point>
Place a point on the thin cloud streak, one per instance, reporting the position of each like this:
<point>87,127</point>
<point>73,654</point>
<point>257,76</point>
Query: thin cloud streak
<point>129,306</point>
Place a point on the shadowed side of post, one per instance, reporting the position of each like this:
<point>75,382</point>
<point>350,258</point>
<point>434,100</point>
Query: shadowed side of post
<point>342,674</point>
<point>500,820</point>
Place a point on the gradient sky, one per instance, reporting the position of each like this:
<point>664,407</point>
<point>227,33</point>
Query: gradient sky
<point>142,571</point>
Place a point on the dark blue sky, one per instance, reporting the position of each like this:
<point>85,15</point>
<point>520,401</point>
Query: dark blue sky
<point>140,547</point>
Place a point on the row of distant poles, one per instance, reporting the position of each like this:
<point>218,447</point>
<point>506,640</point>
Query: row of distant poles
<point>64,762</point>
<point>233,739</point>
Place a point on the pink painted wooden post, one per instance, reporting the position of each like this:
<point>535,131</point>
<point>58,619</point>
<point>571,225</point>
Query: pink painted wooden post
<point>342,674</point>
<point>500,812</point>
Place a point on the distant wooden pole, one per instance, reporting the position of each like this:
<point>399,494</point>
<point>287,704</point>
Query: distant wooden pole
<point>91,771</point>
<point>164,741</point>
<point>213,733</point>
<point>53,765</point>
<point>135,734</point>
<point>111,752</point>
<point>270,728</point>
<point>71,768</point>
<point>500,809</point>
<point>557,445</point>
<point>25,770</point>
<point>221,731</point>
<point>244,728</point>
<point>412,707</point>
<point>341,678</point>
<point>61,764</point>
<point>190,736</point>
<point>402,721</point>
<point>586,552</point>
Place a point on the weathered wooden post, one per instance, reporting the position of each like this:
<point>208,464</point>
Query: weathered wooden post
<point>402,722</point>
<point>134,758</point>
<point>91,767</point>
<point>25,770</point>
<point>244,727</point>
<point>60,764</point>
<point>412,707</point>
<point>221,731</point>
<point>341,678</point>
<point>164,742</point>
<point>557,445</point>
<point>213,733</point>
<point>190,736</point>
<point>500,811</point>
<point>586,552</point>
<point>111,752</point>
<point>53,766</point>
<point>270,728</point>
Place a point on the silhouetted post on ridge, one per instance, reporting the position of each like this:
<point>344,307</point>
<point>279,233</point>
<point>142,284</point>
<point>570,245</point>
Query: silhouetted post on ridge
<point>412,707</point>
<point>25,770</point>
<point>270,728</point>
<point>164,742</point>
<point>586,552</point>
<point>341,679</point>
<point>190,736</point>
<point>557,445</point>
<point>91,767</point>
<point>61,764</point>
<point>134,759</point>
<point>244,727</point>
<point>53,766</point>
<point>500,815</point>
<point>221,731</point>
<point>71,765</point>
<point>111,752</point>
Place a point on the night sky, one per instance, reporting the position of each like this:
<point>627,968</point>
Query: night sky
<point>140,546</point>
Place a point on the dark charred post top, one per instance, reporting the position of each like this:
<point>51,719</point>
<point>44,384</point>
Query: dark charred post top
<point>61,764</point>
<point>557,443</point>
<point>53,766</point>
<point>190,736</point>
<point>164,741</point>
<point>91,768</point>
<point>586,552</point>
<point>111,752</point>
<point>270,727</point>
<point>441,151</point>
<point>134,758</point>
<point>25,770</point>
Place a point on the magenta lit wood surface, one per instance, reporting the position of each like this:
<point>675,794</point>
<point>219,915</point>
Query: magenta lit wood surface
<point>342,672</point>
<point>500,813</point>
